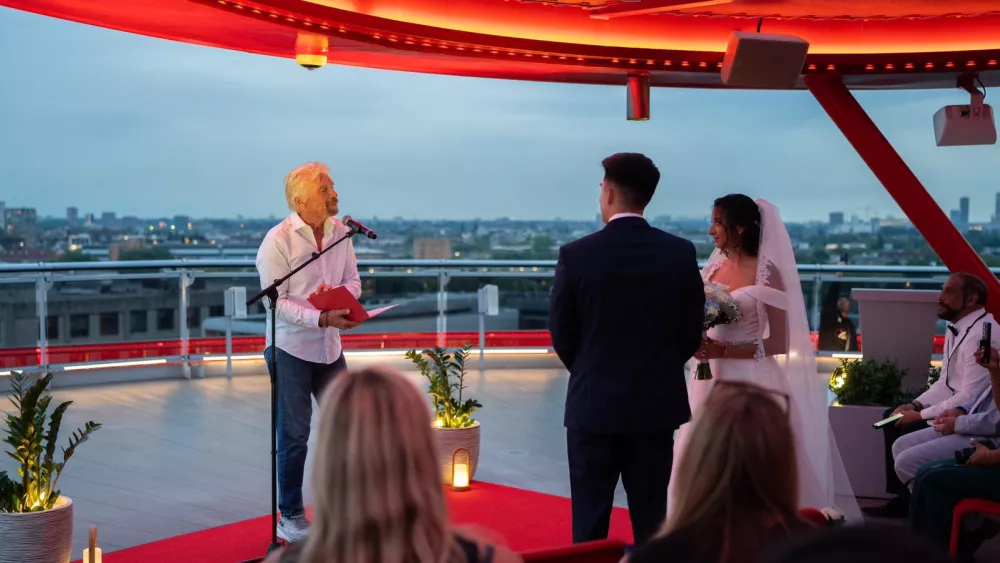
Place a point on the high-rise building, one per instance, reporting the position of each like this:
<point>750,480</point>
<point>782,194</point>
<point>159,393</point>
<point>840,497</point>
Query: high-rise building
<point>73,216</point>
<point>996,210</point>
<point>3,214</point>
<point>963,207</point>
<point>836,218</point>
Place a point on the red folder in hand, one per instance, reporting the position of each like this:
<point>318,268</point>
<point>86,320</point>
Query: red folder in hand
<point>340,298</point>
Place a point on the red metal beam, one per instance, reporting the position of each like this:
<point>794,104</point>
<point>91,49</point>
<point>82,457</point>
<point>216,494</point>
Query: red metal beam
<point>901,183</point>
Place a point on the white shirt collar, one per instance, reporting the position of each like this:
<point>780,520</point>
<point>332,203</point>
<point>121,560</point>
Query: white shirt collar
<point>623,215</point>
<point>298,224</point>
<point>967,320</point>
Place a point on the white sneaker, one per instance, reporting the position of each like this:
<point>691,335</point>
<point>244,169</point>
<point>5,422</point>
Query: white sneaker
<point>293,529</point>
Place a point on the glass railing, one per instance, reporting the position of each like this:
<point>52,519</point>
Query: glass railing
<point>76,314</point>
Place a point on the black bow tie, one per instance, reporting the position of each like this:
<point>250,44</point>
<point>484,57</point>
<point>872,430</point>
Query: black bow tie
<point>954,331</point>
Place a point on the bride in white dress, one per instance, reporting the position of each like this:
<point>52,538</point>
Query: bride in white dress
<point>770,345</point>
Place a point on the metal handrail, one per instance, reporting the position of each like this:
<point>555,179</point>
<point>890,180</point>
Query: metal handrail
<point>200,263</point>
<point>43,274</point>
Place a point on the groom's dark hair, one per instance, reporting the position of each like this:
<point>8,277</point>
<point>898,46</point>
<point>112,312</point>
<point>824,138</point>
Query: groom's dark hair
<point>635,175</point>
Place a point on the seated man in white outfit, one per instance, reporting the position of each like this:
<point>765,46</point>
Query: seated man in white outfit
<point>962,303</point>
<point>948,434</point>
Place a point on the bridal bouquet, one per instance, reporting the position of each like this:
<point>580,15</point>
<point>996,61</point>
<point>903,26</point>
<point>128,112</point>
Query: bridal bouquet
<point>720,309</point>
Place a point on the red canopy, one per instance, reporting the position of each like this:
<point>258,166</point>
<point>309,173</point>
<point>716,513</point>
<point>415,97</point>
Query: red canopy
<point>873,43</point>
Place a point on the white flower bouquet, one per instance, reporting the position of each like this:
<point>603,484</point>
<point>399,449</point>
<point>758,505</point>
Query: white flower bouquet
<point>720,309</point>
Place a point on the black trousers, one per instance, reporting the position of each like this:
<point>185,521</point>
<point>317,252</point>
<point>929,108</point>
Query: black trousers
<point>596,461</point>
<point>893,485</point>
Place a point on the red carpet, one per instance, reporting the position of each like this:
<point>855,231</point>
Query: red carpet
<point>528,520</point>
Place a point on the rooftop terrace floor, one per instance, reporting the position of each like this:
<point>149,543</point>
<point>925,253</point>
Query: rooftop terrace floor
<point>177,456</point>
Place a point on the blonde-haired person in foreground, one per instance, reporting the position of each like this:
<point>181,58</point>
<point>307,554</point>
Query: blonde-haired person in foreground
<point>737,484</point>
<point>379,495</point>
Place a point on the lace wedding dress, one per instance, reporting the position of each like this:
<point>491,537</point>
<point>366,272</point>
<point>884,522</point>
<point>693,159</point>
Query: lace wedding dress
<point>822,479</point>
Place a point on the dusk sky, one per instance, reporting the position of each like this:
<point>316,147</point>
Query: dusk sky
<point>107,121</point>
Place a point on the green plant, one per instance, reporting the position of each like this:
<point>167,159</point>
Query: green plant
<point>445,373</point>
<point>867,382</point>
<point>908,396</point>
<point>35,448</point>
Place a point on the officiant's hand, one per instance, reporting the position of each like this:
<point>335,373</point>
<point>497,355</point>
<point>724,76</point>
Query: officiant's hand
<point>337,319</point>
<point>323,288</point>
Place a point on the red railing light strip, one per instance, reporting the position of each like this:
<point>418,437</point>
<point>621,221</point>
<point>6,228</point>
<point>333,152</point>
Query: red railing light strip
<point>84,353</point>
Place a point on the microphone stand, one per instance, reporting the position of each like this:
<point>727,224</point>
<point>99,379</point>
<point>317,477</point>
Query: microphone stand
<point>271,292</point>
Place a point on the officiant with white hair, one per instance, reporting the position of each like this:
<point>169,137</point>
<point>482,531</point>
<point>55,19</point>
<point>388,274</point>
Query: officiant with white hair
<point>307,351</point>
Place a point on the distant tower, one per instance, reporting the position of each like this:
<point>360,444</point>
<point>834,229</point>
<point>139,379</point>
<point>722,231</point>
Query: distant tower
<point>996,211</point>
<point>963,207</point>
<point>72,216</point>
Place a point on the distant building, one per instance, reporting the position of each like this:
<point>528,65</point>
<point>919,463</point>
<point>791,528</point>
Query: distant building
<point>23,222</point>
<point>431,249</point>
<point>3,214</point>
<point>963,208</point>
<point>836,218</point>
<point>996,210</point>
<point>72,216</point>
<point>128,243</point>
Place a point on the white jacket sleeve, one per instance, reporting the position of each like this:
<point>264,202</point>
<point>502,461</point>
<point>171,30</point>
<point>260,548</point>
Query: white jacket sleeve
<point>976,378</point>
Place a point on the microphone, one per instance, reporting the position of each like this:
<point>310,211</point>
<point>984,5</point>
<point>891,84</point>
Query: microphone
<point>359,228</point>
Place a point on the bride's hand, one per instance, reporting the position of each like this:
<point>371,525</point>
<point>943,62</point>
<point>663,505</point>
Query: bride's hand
<point>710,349</point>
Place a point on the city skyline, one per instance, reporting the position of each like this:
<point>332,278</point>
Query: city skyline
<point>142,127</point>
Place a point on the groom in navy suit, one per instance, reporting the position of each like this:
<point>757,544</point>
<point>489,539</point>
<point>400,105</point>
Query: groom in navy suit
<point>626,314</point>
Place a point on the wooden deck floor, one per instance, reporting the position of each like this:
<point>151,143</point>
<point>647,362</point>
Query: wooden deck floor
<point>179,456</point>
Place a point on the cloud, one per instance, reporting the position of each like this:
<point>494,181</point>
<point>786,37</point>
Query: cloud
<point>142,126</point>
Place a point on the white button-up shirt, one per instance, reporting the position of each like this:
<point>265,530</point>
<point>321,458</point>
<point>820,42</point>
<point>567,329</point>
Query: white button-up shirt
<point>962,378</point>
<point>284,248</point>
<point>623,215</point>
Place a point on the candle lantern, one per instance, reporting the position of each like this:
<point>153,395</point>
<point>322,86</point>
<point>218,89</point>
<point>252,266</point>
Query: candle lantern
<point>460,470</point>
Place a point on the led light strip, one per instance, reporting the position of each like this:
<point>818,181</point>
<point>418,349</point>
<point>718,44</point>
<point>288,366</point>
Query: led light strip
<point>121,364</point>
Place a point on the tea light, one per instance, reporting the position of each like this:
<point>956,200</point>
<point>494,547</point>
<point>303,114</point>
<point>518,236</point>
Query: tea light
<point>460,470</point>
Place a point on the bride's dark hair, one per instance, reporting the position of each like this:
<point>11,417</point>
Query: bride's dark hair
<point>739,211</point>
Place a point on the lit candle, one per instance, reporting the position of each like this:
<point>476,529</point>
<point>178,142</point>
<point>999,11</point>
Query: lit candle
<point>460,476</point>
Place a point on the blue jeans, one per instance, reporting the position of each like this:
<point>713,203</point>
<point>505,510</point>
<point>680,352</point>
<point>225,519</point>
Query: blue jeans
<point>298,382</point>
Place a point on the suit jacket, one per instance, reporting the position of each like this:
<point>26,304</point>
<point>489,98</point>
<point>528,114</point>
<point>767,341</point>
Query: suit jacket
<point>626,313</point>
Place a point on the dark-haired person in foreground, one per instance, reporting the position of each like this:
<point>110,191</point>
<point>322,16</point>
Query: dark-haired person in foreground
<point>962,303</point>
<point>626,314</point>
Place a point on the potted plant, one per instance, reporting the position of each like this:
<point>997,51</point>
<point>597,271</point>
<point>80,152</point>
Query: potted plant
<point>453,422</point>
<point>864,389</point>
<point>36,520</point>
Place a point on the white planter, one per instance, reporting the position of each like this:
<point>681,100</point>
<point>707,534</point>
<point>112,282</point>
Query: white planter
<point>450,440</point>
<point>38,537</point>
<point>897,325</point>
<point>862,447</point>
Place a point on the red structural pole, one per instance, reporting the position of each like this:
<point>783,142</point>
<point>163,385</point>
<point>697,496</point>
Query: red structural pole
<point>911,196</point>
